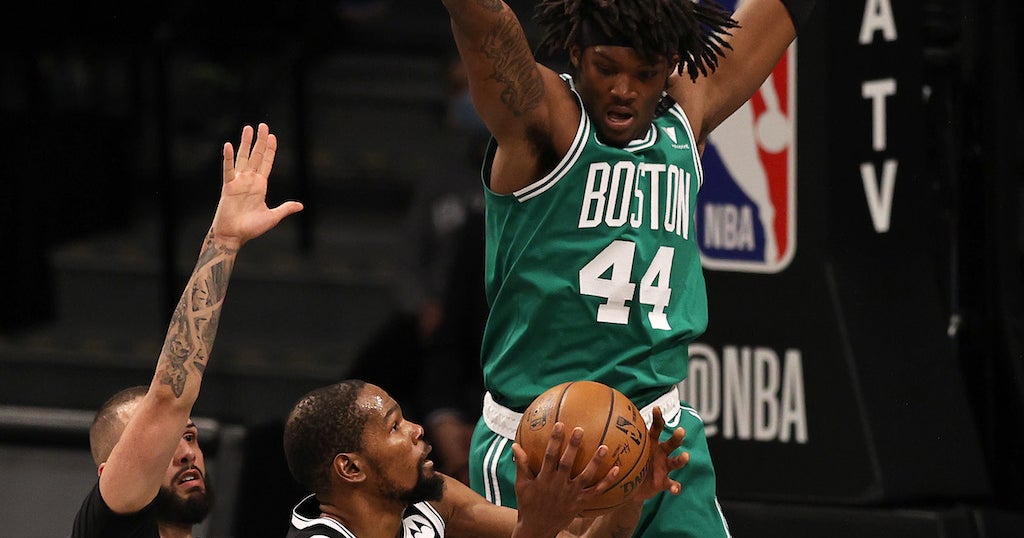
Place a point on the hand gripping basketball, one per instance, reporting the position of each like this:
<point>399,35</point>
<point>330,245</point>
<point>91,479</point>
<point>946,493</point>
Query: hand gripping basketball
<point>608,418</point>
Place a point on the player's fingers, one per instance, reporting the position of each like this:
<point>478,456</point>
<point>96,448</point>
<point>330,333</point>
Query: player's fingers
<point>244,146</point>
<point>256,156</point>
<point>589,473</point>
<point>674,487</point>
<point>551,452</point>
<point>606,482</point>
<point>229,162</point>
<point>658,422</point>
<point>675,441</point>
<point>269,152</point>
<point>522,462</point>
<point>285,209</point>
<point>678,462</point>
<point>565,463</point>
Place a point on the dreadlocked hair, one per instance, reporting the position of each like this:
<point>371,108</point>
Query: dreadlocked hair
<point>695,30</point>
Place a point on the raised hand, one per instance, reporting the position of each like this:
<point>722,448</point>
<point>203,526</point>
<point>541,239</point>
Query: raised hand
<point>242,212</point>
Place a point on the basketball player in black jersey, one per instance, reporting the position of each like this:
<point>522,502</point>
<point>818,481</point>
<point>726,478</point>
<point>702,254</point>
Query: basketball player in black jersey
<point>371,477</point>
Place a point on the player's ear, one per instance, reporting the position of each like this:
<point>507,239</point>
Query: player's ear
<point>575,53</point>
<point>348,467</point>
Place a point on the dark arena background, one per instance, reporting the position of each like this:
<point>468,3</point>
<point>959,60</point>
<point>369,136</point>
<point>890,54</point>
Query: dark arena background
<point>868,381</point>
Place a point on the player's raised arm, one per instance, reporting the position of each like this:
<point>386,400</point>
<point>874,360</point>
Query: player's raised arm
<point>505,81</point>
<point>765,30</point>
<point>132,474</point>
<point>525,105</point>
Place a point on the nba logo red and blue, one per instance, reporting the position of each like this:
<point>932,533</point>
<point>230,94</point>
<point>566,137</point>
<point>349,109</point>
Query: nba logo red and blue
<point>746,216</point>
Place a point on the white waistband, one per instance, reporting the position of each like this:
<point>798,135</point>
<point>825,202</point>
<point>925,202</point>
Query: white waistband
<point>504,421</point>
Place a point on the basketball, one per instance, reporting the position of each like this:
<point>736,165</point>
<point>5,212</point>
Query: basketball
<point>607,417</point>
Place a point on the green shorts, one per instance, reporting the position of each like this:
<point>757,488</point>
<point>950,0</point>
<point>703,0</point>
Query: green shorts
<point>695,512</point>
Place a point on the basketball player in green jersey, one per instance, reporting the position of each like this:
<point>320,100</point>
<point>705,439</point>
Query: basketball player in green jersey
<point>592,270</point>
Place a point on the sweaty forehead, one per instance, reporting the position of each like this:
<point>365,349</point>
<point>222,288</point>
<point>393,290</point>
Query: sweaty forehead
<point>375,403</point>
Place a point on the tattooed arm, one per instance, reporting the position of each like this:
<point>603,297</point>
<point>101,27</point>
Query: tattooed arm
<point>525,105</point>
<point>132,475</point>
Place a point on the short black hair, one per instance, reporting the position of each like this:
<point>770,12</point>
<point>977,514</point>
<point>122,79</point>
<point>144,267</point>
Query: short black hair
<point>694,30</point>
<point>107,426</point>
<point>324,423</point>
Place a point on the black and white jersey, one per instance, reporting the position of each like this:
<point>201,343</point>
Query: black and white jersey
<point>420,520</point>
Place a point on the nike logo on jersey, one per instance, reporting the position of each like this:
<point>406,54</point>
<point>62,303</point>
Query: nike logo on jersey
<point>671,133</point>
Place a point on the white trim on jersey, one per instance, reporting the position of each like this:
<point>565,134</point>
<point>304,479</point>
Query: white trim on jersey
<point>639,144</point>
<point>725,524</point>
<point>693,413</point>
<point>428,511</point>
<point>575,150</point>
<point>677,111</point>
<point>424,509</point>
<point>492,490</point>
<point>302,522</point>
<point>504,421</point>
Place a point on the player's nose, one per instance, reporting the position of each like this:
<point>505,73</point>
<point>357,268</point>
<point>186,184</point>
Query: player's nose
<point>417,431</point>
<point>621,88</point>
<point>186,453</point>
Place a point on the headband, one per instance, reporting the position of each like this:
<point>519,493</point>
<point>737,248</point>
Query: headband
<point>591,35</point>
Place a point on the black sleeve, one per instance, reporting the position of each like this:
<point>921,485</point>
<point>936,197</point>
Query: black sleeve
<point>96,520</point>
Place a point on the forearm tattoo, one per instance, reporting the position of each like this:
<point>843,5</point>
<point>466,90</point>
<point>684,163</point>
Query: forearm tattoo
<point>193,325</point>
<point>514,66</point>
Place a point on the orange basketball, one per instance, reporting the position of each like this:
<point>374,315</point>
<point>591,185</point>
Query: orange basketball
<point>607,417</point>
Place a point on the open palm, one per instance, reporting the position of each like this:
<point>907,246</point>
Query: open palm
<point>243,212</point>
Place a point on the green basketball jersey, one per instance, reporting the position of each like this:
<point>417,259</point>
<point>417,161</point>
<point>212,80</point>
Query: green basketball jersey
<point>593,272</point>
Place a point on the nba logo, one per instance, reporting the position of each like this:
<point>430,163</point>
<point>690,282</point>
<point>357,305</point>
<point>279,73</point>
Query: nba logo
<point>746,211</point>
